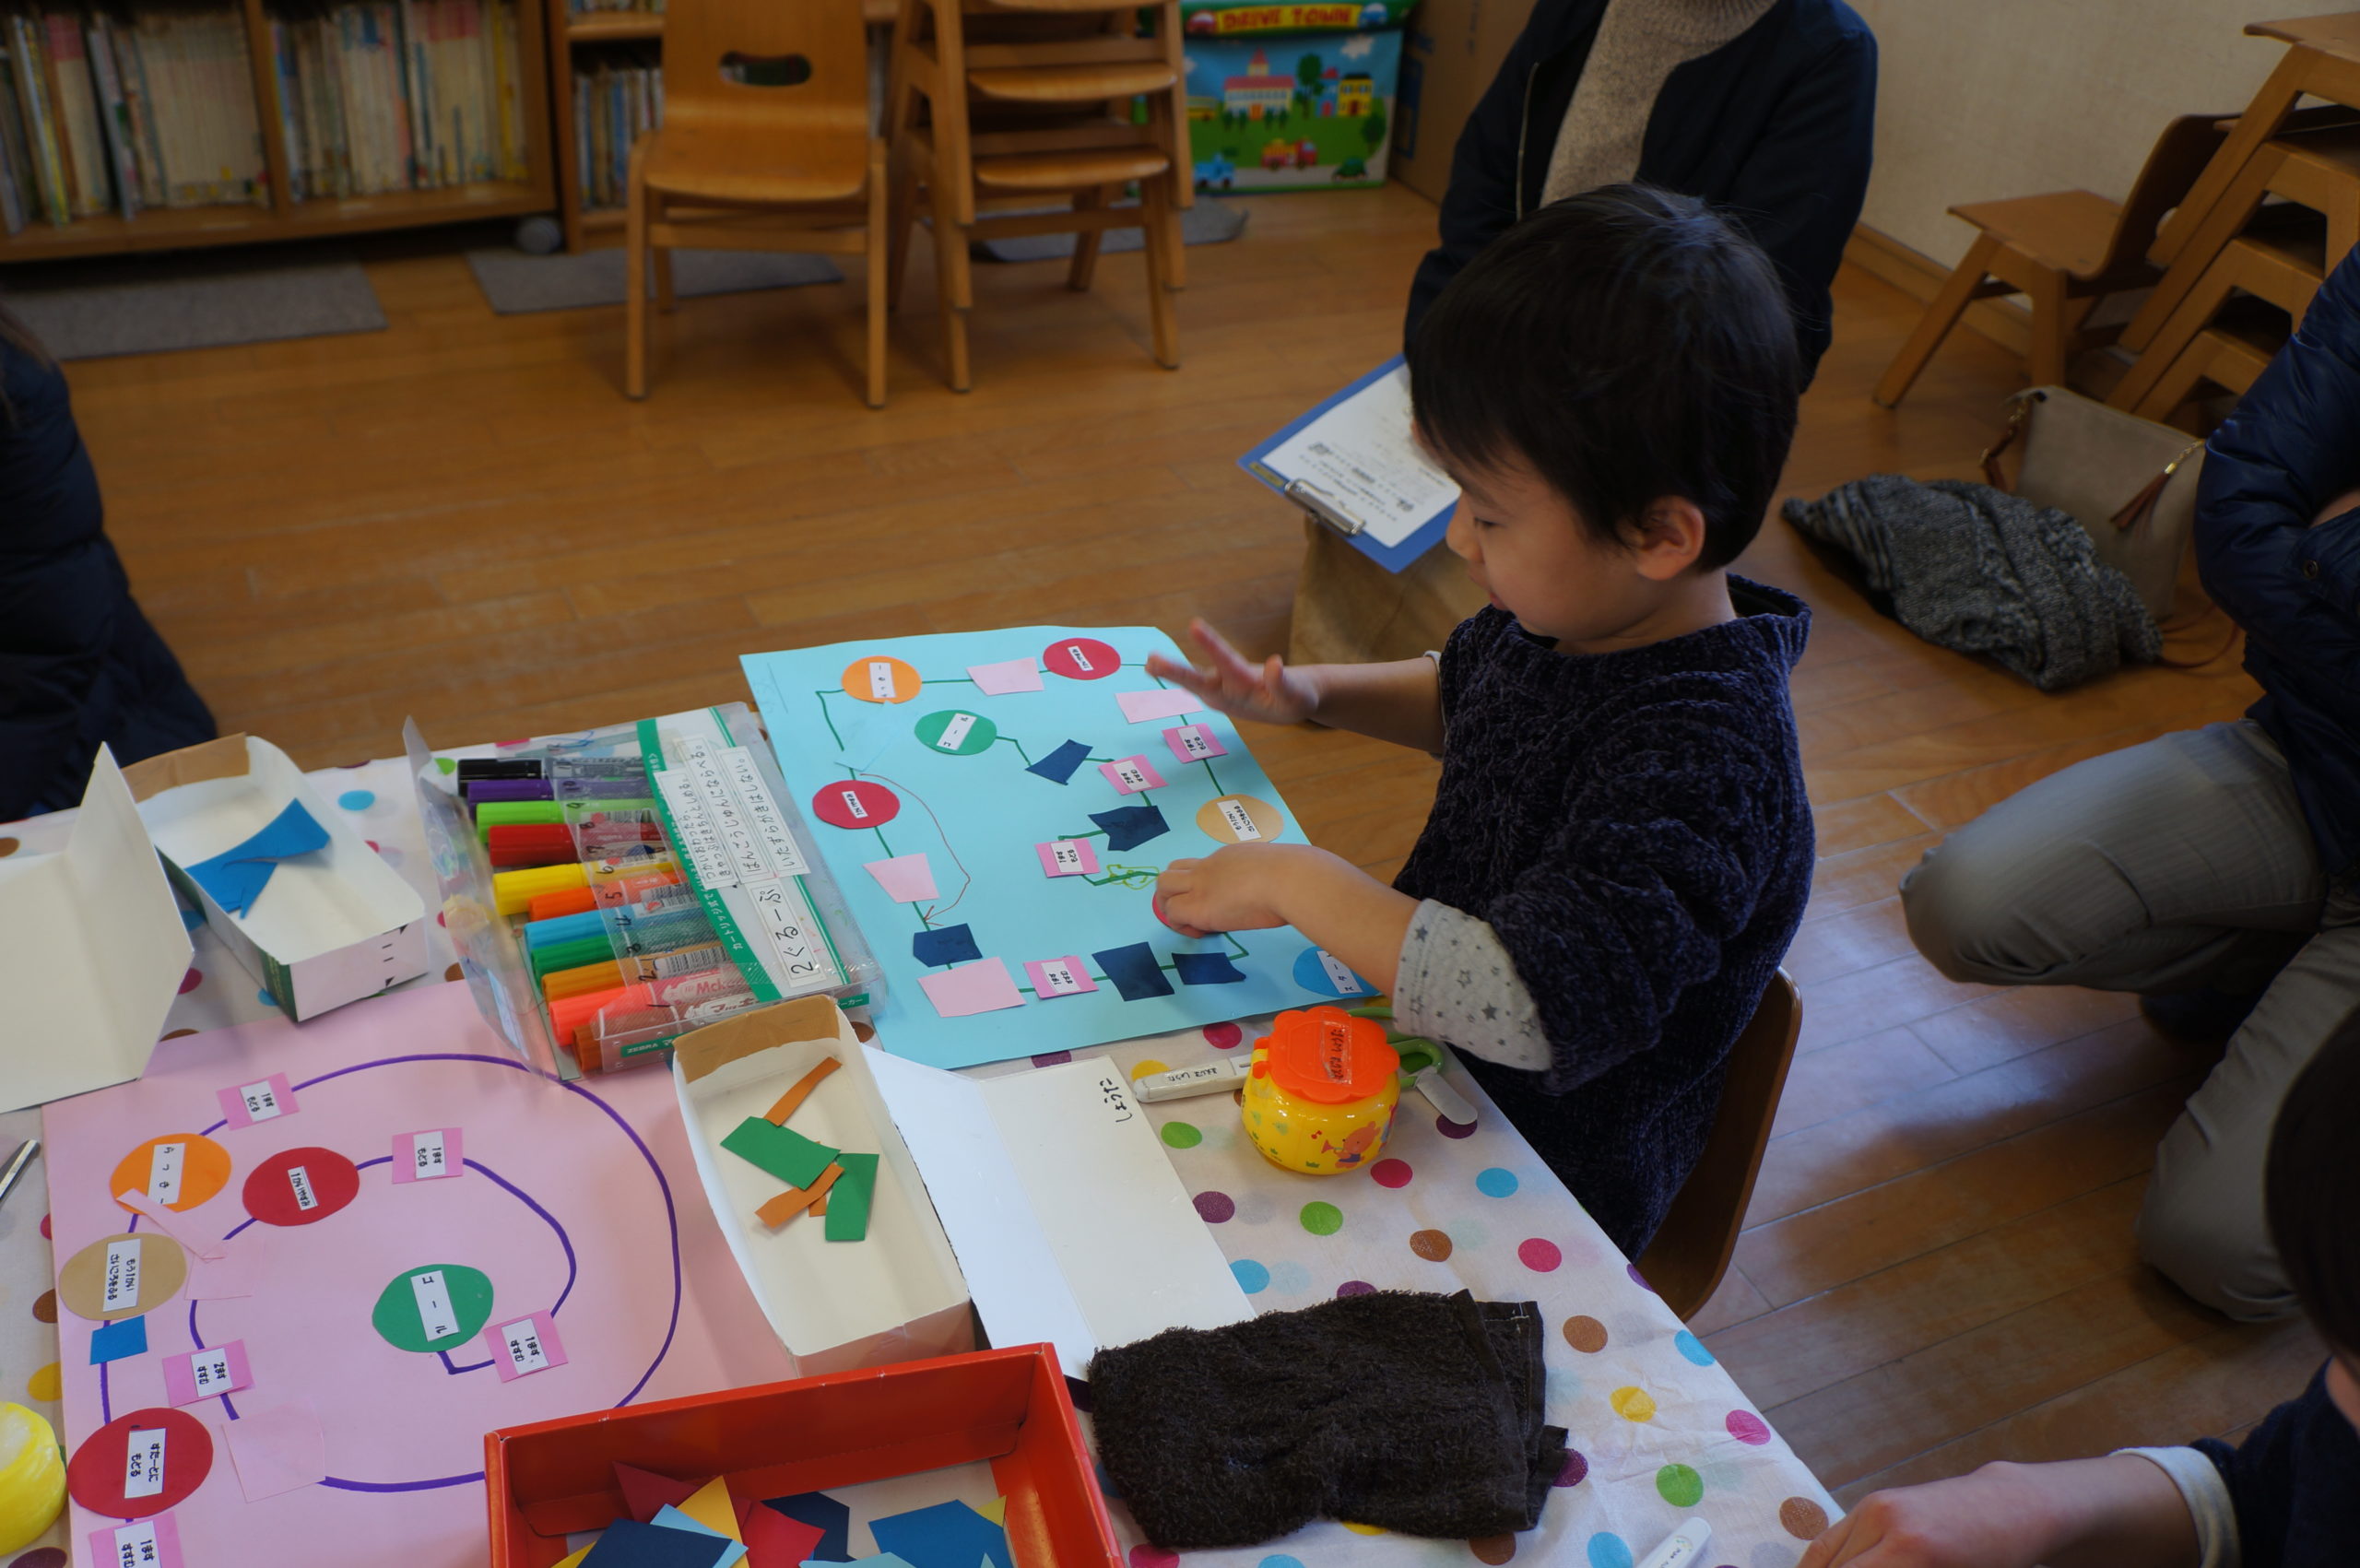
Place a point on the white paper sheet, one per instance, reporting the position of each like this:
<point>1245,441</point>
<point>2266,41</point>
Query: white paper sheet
<point>1365,463</point>
<point>1067,1219</point>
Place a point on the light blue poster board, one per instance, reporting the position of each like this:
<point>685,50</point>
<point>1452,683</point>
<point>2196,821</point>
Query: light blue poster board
<point>904,748</point>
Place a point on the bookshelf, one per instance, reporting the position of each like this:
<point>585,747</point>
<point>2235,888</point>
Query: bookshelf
<point>568,30</point>
<point>279,216</point>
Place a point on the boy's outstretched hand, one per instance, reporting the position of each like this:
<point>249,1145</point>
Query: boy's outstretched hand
<point>1270,692</point>
<point>2118,1512</point>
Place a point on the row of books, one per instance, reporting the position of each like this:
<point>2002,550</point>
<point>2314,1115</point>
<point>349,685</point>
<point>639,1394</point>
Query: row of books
<point>589,7</point>
<point>399,95</point>
<point>103,111</point>
<point>109,108</point>
<point>614,104</point>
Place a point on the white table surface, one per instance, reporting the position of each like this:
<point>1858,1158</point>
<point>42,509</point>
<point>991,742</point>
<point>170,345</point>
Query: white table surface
<point>1661,1433</point>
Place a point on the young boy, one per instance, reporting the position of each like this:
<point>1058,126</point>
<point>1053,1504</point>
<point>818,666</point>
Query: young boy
<point>2287,1497</point>
<point>1619,845</point>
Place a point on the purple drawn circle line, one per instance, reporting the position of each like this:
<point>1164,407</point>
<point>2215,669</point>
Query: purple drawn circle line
<point>671,1221</point>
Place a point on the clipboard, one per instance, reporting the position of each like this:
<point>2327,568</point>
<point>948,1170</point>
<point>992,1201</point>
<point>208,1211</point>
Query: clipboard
<point>1346,496</point>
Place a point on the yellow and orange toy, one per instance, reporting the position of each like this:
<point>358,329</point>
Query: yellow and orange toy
<point>1321,1095</point>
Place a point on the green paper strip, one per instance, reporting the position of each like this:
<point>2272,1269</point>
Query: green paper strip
<point>784,1153</point>
<point>511,813</point>
<point>848,1199</point>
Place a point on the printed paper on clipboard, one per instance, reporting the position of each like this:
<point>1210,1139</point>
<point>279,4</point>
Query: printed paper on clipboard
<point>1352,463</point>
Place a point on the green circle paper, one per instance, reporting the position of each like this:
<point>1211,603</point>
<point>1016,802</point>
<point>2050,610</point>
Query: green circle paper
<point>397,1320</point>
<point>957,733</point>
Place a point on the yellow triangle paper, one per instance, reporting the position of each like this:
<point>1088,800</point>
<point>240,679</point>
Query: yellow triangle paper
<point>995,1511</point>
<point>574,1560</point>
<point>710,1507</point>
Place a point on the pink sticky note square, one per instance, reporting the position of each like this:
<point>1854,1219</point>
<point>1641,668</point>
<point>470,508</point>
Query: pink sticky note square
<point>264,1099</point>
<point>1193,743</point>
<point>523,1346</point>
<point>1068,857</point>
<point>906,878</point>
<point>153,1542</point>
<point>1067,976</point>
<point>1008,675</point>
<point>277,1450</point>
<point>428,1155</point>
<point>234,1274</point>
<point>980,987</point>
<point>1160,703</point>
<point>1131,774</point>
<point>207,1373</point>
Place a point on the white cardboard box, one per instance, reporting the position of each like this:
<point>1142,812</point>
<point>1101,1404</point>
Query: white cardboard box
<point>92,949</point>
<point>331,926</point>
<point>894,1296</point>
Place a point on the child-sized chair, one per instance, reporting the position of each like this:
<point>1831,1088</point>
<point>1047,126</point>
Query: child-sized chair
<point>996,105</point>
<point>2063,251</point>
<point>1692,1248</point>
<point>766,145</point>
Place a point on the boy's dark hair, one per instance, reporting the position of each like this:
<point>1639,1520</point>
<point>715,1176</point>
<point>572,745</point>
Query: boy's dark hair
<point>2311,1188</point>
<point>1624,344</point>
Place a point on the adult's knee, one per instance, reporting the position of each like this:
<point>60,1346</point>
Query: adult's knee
<point>1964,904</point>
<point>2206,1235</point>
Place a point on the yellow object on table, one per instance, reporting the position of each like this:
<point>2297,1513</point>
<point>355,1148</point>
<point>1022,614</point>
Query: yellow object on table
<point>32,1477</point>
<point>1322,1090</point>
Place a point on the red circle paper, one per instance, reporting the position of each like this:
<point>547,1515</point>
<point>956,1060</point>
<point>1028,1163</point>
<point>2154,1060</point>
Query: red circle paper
<point>855,803</point>
<point>1080,658</point>
<point>270,1193</point>
<point>95,1473</point>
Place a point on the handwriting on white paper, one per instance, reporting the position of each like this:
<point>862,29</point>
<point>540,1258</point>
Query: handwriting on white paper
<point>433,1304</point>
<point>122,1275</point>
<point>164,1172</point>
<point>143,1463</point>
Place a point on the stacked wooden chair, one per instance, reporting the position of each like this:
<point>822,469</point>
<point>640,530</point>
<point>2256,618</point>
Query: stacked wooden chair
<point>766,145</point>
<point>999,108</point>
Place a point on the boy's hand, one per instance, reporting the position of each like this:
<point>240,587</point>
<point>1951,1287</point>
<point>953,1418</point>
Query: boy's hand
<point>1947,1524</point>
<point>1271,693</point>
<point>2118,1512</point>
<point>1235,888</point>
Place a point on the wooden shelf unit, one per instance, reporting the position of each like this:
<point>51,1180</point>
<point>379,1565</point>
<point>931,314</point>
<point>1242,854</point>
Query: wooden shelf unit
<point>161,229</point>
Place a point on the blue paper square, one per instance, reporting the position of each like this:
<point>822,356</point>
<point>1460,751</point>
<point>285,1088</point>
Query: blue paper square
<point>627,1543</point>
<point>671,1519</point>
<point>114,1341</point>
<point>823,1512</point>
<point>1207,968</point>
<point>1059,765</point>
<point>1134,971</point>
<point>946,944</point>
<point>1128,826</point>
<point>948,1534</point>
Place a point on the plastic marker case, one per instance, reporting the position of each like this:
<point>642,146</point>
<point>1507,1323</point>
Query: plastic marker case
<point>1006,1406</point>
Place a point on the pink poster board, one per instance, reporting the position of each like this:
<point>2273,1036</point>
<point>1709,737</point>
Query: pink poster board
<point>579,1203</point>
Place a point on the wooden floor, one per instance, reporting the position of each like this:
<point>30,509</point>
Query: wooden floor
<point>461,519</point>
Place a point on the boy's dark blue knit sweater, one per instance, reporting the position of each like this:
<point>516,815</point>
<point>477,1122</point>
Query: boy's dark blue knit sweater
<point>1634,827</point>
<point>2296,1485</point>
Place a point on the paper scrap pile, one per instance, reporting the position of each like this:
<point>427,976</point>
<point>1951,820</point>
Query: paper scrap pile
<point>820,1180</point>
<point>677,1523</point>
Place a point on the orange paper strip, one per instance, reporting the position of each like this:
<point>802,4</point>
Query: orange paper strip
<point>789,1102</point>
<point>795,1200</point>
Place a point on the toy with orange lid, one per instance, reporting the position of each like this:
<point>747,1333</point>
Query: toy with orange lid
<point>1321,1092</point>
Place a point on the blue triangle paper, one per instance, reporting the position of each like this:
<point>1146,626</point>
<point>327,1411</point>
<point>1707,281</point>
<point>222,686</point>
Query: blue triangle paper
<point>235,878</point>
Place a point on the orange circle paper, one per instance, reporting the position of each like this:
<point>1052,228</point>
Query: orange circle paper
<point>204,1170</point>
<point>1228,816</point>
<point>82,1283</point>
<point>880,677</point>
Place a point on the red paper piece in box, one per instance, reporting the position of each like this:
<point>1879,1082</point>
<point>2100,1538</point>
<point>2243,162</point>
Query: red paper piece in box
<point>773,1540</point>
<point>645,1492</point>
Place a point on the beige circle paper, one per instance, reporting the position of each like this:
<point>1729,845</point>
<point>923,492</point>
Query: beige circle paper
<point>162,1270</point>
<point>1240,819</point>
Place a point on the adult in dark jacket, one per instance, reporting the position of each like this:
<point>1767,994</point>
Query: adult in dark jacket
<point>79,666</point>
<point>2213,870</point>
<point>1768,111</point>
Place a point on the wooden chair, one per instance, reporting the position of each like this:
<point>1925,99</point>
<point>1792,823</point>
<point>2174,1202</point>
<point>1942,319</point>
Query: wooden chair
<point>2064,251</point>
<point>2231,354</point>
<point>1691,1251</point>
<point>739,166</point>
<point>2283,264</point>
<point>1001,104</point>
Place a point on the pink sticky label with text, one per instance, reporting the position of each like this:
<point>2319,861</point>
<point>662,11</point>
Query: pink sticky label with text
<point>1068,857</point>
<point>524,1345</point>
<point>264,1099</point>
<point>1067,976</point>
<point>423,1156</point>
<point>203,1374</point>
<point>1132,775</point>
<point>153,1542</point>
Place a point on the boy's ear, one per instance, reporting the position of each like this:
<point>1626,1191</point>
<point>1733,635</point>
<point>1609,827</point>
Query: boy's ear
<point>1669,537</point>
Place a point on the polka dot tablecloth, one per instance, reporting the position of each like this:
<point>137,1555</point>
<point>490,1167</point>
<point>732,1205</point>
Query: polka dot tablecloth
<point>1659,1432</point>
